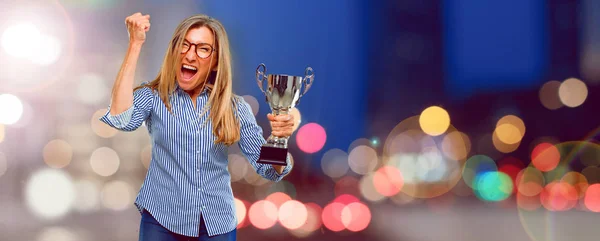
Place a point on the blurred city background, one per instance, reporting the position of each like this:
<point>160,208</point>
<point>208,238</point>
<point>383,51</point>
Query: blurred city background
<point>427,120</point>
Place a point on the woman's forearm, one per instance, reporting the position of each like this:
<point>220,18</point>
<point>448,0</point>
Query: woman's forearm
<point>122,92</point>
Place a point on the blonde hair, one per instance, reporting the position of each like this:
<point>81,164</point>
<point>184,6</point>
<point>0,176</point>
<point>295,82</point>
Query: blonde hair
<point>225,126</point>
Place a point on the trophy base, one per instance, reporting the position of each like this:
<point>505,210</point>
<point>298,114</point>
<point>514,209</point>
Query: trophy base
<point>273,155</point>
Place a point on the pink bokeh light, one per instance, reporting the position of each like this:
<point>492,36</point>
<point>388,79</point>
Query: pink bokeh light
<point>311,138</point>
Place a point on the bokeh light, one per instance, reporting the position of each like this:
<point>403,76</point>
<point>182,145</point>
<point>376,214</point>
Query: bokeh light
<point>311,138</point>
<point>558,196</point>
<point>510,129</point>
<point>50,193</point>
<point>356,216</point>
<point>278,198</point>
<point>502,146</point>
<point>104,161</point>
<point>263,214</point>
<point>100,128</point>
<point>388,181</point>
<point>57,234</point>
<point>359,142</point>
<point>456,145</point>
<point>530,182</point>
<point>545,157</point>
<point>292,214</point>
<point>332,216</point>
<point>11,109</point>
<point>577,181</point>
<point>240,211</point>
<point>238,167</point>
<point>475,166</point>
<point>117,195</point>
<point>511,166</point>
<point>313,221</point>
<point>346,199</point>
<point>572,92</point>
<point>57,153</point>
<point>367,188</point>
<point>493,186</point>
<point>434,120</point>
<point>334,163</point>
<point>427,172</point>
<point>92,89</point>
<point>48,50</point>
<point>592,197</point>
<point>549,95</point>
<point>363,159</point>
<point>20,40</point>
<point>87,196</point>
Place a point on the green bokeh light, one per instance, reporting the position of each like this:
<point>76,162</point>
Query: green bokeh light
<point>493,186</point>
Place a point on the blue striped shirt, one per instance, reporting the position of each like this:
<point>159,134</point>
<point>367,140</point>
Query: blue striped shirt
<point>188,174</point>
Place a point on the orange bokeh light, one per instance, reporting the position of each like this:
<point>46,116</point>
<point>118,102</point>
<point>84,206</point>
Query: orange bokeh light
<point>388,181</point>
<point>592,198</point>
<point>545,157</point>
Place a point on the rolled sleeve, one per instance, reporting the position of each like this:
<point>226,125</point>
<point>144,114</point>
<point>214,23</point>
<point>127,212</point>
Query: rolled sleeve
<point>134,116</point>
<point>251,141</point>
<point>118,121</point>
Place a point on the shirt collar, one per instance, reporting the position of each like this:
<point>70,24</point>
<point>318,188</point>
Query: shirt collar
<point>179,90</point>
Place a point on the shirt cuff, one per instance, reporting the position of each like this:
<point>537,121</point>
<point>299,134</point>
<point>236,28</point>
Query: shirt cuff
<point>120,120</point>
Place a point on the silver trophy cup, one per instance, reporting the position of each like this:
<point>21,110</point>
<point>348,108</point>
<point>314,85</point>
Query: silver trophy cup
<point>283,93</point>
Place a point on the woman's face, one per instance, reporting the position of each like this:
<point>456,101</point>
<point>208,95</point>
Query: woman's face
<point>196,55</point>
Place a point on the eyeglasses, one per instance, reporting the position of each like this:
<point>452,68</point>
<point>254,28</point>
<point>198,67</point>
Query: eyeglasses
<point>203,50</point>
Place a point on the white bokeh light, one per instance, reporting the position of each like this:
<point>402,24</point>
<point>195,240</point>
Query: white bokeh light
<point>116,195</point>
<point>21,40</point>
<point>11,109</point>
<point>105,161</point>
<point>50,193</point>
<point>48,50</point>
<point>87,197</point>
<point>92,89</point>
<point>57,234</point>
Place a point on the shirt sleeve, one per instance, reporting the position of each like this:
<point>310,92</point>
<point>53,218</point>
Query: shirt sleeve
<point>134,116</point>
<point>251,141</point>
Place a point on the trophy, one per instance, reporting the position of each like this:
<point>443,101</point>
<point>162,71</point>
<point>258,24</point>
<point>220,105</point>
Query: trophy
<point>283,93</point>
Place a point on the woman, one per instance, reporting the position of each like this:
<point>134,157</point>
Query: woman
<point>192,117</point>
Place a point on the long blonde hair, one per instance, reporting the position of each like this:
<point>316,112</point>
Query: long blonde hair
<point>222,107</point>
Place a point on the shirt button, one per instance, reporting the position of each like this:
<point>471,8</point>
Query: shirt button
<point>197,132</point>
<point>203,207</point>
<point>198,189</point>
<point>198,151</point>
<point>197,169</point>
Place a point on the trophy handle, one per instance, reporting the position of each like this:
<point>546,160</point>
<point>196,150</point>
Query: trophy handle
<point>309,77</point>
<point>261,76</point>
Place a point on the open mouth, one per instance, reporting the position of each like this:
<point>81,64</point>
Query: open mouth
<point>188,72</point>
